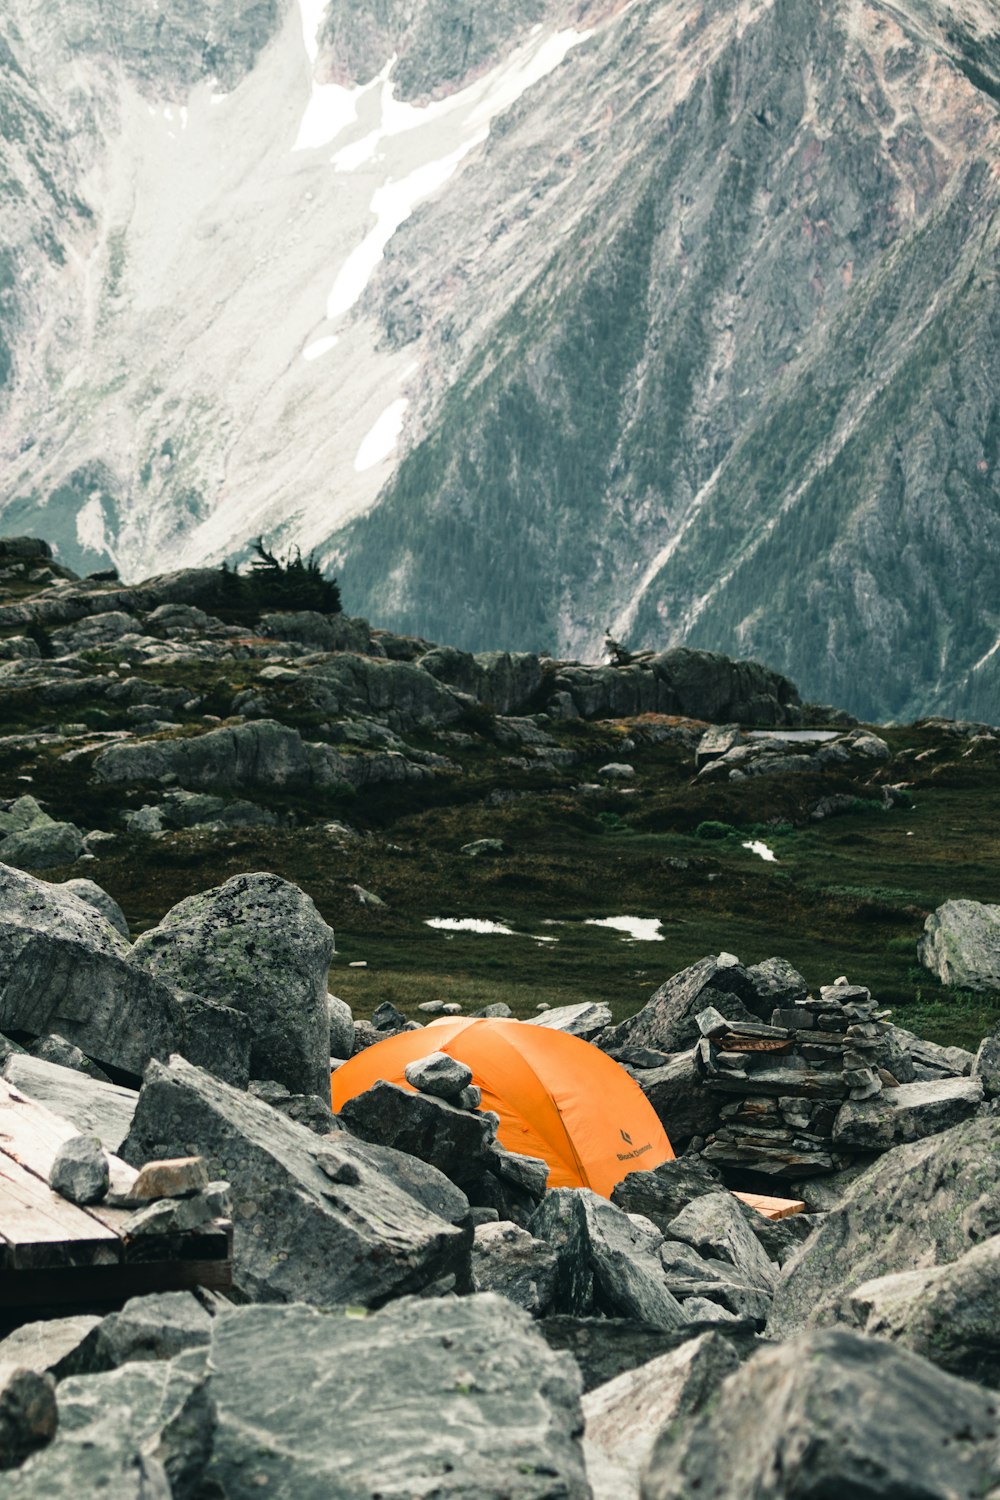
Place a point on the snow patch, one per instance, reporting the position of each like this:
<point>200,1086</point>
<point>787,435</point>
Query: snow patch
<point>383,437</point>
<point>633,929</point>
<point>90,527</point>
<point>756,847</point>
<point>391,204</point>
<point>470,924</point>
<point>319,347</point>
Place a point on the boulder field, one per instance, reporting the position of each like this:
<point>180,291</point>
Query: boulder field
<point>416,1313</point>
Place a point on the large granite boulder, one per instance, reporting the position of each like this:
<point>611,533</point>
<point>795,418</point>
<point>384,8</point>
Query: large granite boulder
<point>832,1413</point>
<point>256,944</point>
<point>458,1398</point>
<point>64,969</point>
<point>950,1314</point>
<point>921,1204</point>
<point>263,754</point>
<point>961,945</point>
<point>320,1219</point>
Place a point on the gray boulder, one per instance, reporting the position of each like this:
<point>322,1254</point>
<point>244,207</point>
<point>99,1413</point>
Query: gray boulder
<point>908,1113</point>
<point>80,1170</point>
<point>341,1027</point>
<point>142,1432</point>
<point>439,1075</point>
<point>92,893</point>
<point>716,1225</point>
<point>43,847</point>
<point>608,1261</point>
<point>94,1107</point>
<point>925,1203</point>
<point>459,1397</point>
<point>64,969</point>
<point>263,755</point>
<point>776,983</point>
<point>509,1261</point>
<point>661,1194</point>
<point>986,1065</point>
<point>28,1415</point>
<point>56,1049</point>
<point>584,1020</point>
<point>961,945</point>
<point>624,1416</point>
<point>158,1326</point>
<point>667,1021</point>
<point>831,1414</point>
<point>52,1346</point>
<point>676,1090</point>
<point>256,944</point>
<point>950,1314</point>
<point>326,1220</point>
<point>455,1141</point>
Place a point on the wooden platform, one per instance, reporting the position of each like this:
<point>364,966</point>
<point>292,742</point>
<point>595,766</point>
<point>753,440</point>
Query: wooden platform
<point>52,1251</point>
<point>772,1208</point>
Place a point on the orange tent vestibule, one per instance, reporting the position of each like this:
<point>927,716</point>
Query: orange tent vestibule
<point>558,1097</point>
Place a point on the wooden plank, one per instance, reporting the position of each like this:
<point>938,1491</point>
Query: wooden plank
<point>31,1134</point>
<point>772,1208</point>
<point>41,1229</point>
<point>111,1284</point>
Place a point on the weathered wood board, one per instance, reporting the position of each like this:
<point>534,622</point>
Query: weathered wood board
<point>54,1251</point>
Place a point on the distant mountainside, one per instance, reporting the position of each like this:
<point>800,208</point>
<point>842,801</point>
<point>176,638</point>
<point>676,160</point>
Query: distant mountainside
<point>535,321</point>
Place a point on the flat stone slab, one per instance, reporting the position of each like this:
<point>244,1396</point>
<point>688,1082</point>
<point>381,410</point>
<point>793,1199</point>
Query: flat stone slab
<point>909,1113</point>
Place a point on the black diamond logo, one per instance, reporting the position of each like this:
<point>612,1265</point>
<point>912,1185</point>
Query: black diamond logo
<point>625,1137</point>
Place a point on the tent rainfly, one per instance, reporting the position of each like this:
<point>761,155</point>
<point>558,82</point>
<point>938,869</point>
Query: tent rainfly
<point>558,1097</point>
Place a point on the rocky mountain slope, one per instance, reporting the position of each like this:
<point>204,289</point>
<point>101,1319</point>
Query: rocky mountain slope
<point>682,322</point>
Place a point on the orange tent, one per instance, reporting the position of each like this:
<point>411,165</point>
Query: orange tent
<point>558,1097</point>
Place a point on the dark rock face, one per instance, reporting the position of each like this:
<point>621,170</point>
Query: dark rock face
<point>436,51</point>
<point>259,945</point>
<point>606,1261</point>
<point>101,1109</point>
<point>660,1195</point>
<point>315,1219</point>
<point>455,1141</point>
<point>925,1202</point>
<point>677,1092</point>
<point>667,1020</point>
<point>28,1415</point>
<point>832,1413</point>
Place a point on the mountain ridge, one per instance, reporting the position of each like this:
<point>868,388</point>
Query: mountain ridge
<point>676,322</point>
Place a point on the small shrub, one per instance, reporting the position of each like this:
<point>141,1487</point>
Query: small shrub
<point>713,830</point>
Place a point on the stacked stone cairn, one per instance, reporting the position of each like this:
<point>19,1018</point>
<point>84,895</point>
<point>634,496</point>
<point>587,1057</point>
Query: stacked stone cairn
<point>788,1080</point>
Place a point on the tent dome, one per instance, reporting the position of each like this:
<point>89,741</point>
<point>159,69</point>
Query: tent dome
<point>558,1097</point>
